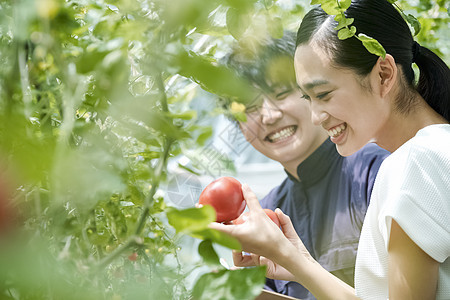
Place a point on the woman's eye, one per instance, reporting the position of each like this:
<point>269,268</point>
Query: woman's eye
<point>283,95</point>
<point>321,96</point>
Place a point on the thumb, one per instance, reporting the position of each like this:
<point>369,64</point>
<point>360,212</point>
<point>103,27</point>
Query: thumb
<point>250,198</point>
<point>286,224</point>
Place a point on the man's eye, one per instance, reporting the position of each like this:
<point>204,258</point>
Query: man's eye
<point>306,97</point>
<point>251,109</point>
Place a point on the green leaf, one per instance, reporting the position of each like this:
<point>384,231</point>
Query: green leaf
<point>217,237</point>
<point>345,4</point>
<point>331,7</point>
<point>185,115</point>
<point>205,133</point>
<point>414,23</point>
<point>240,116</point>
<point>214,78</point>
<point>372,45</point>
<point>275,27</point>
<point>230,284</point>
<point>240,4</point>
<point>237,22</point>
<point>191,219</point>
<point>346,33</point>
<point>195,221</point>
<point>188,169</point>
<point>343,21</point>
<point>207,252</point>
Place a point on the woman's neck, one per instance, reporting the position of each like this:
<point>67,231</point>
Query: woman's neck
<point>400,127</point>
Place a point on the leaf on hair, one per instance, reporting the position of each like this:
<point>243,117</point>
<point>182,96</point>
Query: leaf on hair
<point>346,32</point>
<point>414,23</point>
<point>343,21</point>
<point>372,45</point>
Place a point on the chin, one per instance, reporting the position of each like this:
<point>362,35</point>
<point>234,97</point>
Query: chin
<point>345,150</point>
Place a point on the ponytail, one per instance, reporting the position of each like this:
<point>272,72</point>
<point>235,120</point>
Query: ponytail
<point>434,80</point>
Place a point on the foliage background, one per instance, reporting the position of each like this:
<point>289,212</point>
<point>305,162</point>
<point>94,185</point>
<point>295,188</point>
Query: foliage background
<point>96,99</point>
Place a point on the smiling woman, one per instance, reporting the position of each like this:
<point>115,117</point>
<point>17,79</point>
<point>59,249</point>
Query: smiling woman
<point>340,92</point>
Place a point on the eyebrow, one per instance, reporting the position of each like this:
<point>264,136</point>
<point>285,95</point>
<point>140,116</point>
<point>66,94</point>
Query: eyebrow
<point>314,83</point>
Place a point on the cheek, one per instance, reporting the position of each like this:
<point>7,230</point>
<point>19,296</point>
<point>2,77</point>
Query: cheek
<point>248,129</point>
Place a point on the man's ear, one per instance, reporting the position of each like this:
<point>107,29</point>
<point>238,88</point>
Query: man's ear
<point>386,74</point>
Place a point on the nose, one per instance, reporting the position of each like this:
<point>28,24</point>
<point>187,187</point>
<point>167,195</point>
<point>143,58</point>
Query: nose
<point>318,115</point>
<point>270,112</point>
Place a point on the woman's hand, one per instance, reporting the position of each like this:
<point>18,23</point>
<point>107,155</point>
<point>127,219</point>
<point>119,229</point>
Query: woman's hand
<point>261,237</point>
<point>274,271</point>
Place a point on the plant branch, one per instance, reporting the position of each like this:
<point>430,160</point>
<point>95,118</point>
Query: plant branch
<point>162,163</point>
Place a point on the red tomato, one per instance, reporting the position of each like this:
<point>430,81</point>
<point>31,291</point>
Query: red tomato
<point>133,256</point>
<point>270,213</point>
<point>225,195</point>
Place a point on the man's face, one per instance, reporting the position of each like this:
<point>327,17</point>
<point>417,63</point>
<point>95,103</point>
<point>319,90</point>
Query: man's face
<point>279,126</point>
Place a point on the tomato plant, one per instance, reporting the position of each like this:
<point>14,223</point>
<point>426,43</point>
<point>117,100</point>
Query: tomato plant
<point>225,195</point>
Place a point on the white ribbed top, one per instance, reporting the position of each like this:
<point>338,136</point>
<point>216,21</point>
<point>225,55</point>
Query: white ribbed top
<point>412,187</point>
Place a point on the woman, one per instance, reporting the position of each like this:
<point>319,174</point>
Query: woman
<point>359,97</point>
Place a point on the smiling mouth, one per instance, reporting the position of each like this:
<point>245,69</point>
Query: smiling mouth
<point>337,131</point>
<point>281,134</point>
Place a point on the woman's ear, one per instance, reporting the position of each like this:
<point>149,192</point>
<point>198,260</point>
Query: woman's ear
<point>386,72</point>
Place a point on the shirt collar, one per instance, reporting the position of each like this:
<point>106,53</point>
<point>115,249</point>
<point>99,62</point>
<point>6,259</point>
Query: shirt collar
<point>317,164</point>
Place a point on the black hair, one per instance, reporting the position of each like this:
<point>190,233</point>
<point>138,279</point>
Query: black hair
<point>267,62</point>
<point>382,21</point>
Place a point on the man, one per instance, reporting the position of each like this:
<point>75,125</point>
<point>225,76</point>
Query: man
<point>325,195</point>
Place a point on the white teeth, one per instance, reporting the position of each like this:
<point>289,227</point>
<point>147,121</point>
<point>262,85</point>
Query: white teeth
<point>282,134</point>
<point>337,130</point>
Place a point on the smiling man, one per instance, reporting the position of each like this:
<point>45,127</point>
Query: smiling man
<point>325,195</point>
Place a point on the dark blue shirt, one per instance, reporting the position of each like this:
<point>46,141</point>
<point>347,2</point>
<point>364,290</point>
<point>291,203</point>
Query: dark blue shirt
<point>327,207</point>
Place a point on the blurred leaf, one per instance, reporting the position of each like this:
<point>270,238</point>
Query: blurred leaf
<point>195,221</point>
<point>240,4</point>
<point>217,237</point>
<point>240,284</point>
<point>275,28</point>
<point>207,252</point>
<point>188,169</point>
<point>237,22</point>
<point>191,219</point>
<point>216,79</point>
<point>205,133</point>
<point>186,115</point>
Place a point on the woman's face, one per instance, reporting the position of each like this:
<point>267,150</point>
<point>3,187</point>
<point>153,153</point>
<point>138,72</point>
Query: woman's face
<point>351,114</point>
<point>279,126</point>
